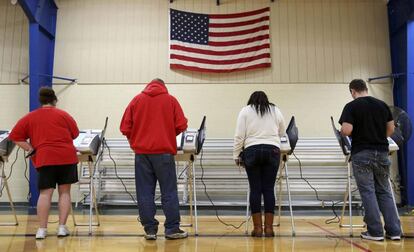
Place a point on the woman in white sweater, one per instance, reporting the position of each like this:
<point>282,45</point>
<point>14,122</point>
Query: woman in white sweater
<point>259,127</point>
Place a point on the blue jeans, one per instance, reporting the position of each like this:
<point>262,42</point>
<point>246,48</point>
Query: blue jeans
<point>148,169</point>
<point>372,174</point>
<point>262,163</point>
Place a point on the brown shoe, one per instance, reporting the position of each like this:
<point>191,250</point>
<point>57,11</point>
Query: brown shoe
<point>269,225</point>
<point>257,223</point>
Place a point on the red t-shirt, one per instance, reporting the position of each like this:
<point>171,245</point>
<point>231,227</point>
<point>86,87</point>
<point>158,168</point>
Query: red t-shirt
<point>51,132</point>
<point>152,121</point>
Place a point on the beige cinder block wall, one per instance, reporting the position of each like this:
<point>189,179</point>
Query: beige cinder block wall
<point>114,47</point>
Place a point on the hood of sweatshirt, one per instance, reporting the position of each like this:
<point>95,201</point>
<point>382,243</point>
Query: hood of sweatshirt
<point>155,88</point>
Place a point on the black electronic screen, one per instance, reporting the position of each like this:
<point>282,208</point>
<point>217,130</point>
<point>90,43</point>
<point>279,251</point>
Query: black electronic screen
<point>293,134</point>
<point>101,138</point>
<point>343,141</point>
<point>201,135</point>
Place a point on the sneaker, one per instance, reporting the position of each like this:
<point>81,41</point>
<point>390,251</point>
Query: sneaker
<point>178,234</point>
<point>393,237</point>
<point>63,231</point>
<point>41,233</point>
<point>365,235</point>
<point>150,236</point>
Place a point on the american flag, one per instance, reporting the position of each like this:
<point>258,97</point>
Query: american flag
<point>219,43</point>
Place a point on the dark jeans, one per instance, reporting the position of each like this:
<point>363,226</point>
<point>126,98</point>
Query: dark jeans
<point>262,163</point>
<point>372,173</point>
<point>148,169</point>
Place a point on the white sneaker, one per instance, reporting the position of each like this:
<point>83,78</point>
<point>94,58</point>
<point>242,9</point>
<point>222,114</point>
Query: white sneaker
<point>41,233</point>
<point>178,234</point>
<point>63,231</point>
<point>393,237</point>
<point>365,235</point>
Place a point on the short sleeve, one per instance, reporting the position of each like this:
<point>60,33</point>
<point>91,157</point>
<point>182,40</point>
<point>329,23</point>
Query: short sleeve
<point>389,114</point>
<point>20,131</point>
<point>72,126</point>
<point>346,115</point>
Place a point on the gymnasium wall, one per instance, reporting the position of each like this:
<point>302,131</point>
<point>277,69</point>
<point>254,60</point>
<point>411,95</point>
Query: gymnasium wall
<point>114,47</point>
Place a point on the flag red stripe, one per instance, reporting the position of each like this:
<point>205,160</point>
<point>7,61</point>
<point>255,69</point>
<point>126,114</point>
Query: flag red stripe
<point>220,62</point>
<point>237,15</point>
<point>225,25</point>
<point>238,42</point>
<point>237,33</point>
<point>207,70</point>
<point>219,53</point>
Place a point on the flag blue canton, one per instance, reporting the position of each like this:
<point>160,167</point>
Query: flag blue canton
<point>189,27</point>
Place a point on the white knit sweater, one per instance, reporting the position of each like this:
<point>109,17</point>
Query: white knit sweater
<point>253,129</point>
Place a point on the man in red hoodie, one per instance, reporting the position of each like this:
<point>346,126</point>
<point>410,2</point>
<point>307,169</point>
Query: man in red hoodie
<point>151,123</point>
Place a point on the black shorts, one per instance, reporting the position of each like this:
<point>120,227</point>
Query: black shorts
<point>51,175</point>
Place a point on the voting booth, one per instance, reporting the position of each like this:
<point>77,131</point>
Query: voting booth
<point>345,143</point>
<point>6,148</point>
<point>88,145</point>
<point>287,146</point>
<point>189,146</point>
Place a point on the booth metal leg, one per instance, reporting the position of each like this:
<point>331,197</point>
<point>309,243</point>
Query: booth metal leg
<point>186,185</point>
<point>283,169</point>
<point>395,204</point>
<point>246,231</point>
<point>351,233</point>
<point>191,187</point>
<point>348,192</point>
<point>344,207</point>
<point>190,190</point>
<point>348,198</point>
<point>290,199</point>
<point>4,184</point>
<point>279,196</point>
<point>341,225</point>
<point>92,203</point>
<point>98,190</point>
<point>195,199</point>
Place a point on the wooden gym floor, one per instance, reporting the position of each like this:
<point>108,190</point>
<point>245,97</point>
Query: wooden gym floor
<point>122,233</point>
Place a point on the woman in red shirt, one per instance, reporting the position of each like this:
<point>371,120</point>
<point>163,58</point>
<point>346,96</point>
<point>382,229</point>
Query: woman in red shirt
<point>51,132</point>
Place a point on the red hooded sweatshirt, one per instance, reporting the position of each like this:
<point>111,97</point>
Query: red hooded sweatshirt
<point>152,121</point>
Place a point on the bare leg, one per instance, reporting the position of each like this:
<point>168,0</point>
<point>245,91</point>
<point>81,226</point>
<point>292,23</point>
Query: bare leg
<point>43,206</point>
<point>64,203</point>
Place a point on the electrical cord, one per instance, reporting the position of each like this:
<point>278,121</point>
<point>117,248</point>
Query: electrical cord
<point>10,172</point>
<point>84,198</point>
<point>334,219</point>
<point>26,169</point>
<point>2,185</point>
<point>182,172</point>
<point>301,176</point>
<point>105,144</point>
<point>212,203</point>
<point>116,171</point>
<point>93,174</point>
